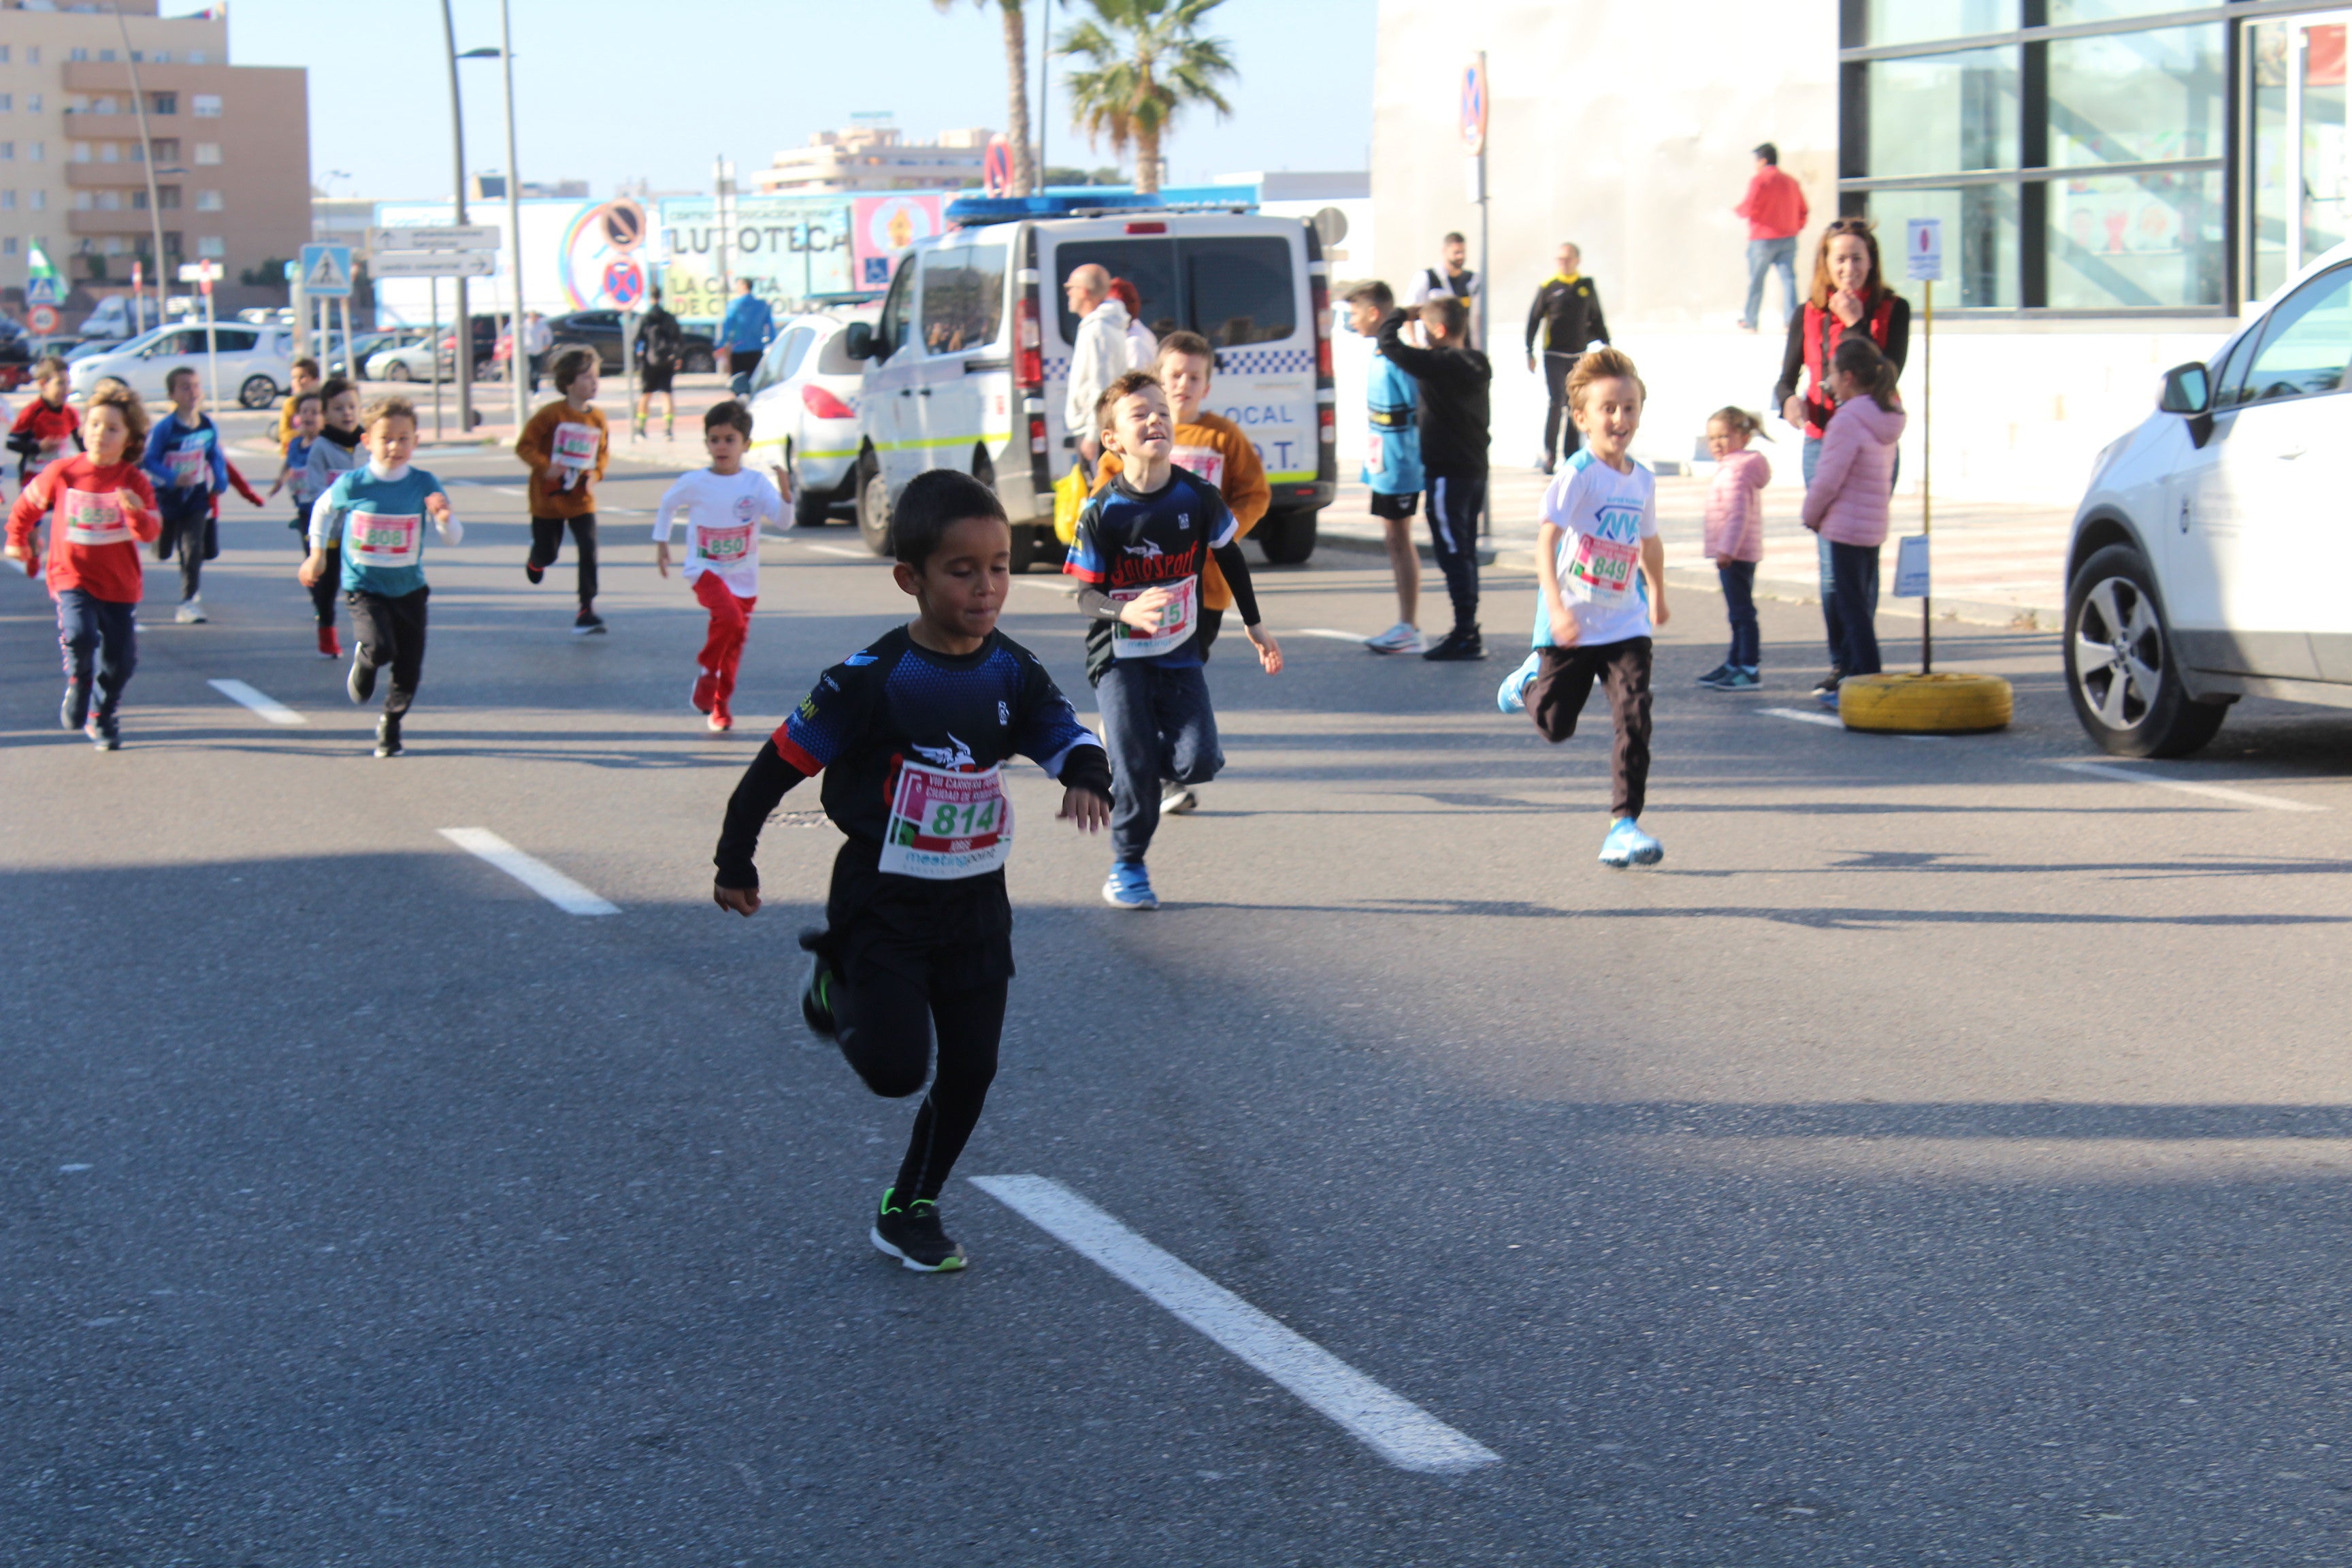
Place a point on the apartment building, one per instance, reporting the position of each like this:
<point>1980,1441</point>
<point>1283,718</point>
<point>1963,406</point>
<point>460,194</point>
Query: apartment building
<point>874,158</point>
<point>230,144</point>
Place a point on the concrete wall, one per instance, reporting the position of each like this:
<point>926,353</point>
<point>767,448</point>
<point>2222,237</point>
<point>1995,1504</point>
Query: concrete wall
<point>1631,136</point>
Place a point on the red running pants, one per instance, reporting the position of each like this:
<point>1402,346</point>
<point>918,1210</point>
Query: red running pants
<point>722,652</point>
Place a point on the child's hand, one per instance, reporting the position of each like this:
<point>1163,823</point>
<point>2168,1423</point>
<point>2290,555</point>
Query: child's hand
<point>745,902</point>
<point>1142,612</point>
<point>1090,811</point>
<point>1567,631</point>
<point>1659,613</point>
<point>783,480</point>
<point>438,505</point>
<point>1269,652</point>
<point>661,556</point>
<point>312,566</point>
<point>277,484</point>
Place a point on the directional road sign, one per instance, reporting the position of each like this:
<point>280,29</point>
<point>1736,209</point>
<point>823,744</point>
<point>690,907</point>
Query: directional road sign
<point>326,271</point>
<point>432,263</point>
<point>443,237</point>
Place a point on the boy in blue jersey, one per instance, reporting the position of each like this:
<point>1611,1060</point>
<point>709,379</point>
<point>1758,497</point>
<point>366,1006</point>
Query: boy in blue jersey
<point>184,461</point>
<point>376,516</point>
<point>911,735</point>
<point>1600,576</point>
<point>1138,555</point>
<point>1391,465</point>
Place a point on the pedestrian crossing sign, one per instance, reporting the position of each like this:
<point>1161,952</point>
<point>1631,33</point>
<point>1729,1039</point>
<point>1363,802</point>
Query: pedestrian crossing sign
<point>326,270</point>
<point>41,291</point>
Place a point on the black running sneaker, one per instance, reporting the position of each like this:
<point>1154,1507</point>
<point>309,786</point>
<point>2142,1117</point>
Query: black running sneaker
<point>387,735</point>
<point>914,1237</point>
<point>75,709</point>
<point>587,623</point>
<point>104,732</point>
<point>533,571</point>
<point>1829,683</point>
<point>1461,643</point>
<point>361,682</point>
<point>816,997</point>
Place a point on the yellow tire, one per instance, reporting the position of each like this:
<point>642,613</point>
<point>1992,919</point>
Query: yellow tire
<point>1925,704</point>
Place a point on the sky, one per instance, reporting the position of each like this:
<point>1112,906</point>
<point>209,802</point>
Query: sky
<point>611,91</point>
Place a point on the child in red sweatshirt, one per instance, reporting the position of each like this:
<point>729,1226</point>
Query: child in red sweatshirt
<point>46,428</point>
<point>104,509</point>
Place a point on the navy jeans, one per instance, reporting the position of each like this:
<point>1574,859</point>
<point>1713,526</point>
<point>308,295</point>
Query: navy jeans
<point>1831,619</point>
<point>1455,503</point>
<point>1771,256</point>
<point>96,634</point>
<point>1854,604</point>
<point>1157,725</point>
<point>1738,580</point>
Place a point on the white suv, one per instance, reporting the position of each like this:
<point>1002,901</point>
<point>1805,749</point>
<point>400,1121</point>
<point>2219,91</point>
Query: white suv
<point>2212,553</point>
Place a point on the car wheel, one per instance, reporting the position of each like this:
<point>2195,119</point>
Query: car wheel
<point>2120,672</point>
<point>873,512</point>
<point>1286,538</point>
<point>257,392</point>
<point>398,371</point>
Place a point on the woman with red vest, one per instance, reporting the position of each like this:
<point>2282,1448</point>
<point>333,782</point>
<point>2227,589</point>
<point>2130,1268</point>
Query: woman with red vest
<point>1849,293</point>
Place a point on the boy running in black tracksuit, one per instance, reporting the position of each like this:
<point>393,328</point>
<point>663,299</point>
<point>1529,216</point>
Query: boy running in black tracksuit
<point>911,735</point>
<point>1453,381</point>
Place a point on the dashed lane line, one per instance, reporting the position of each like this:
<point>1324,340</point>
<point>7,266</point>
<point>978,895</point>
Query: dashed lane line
<point>269,707</point>
<point>1326,632</point>
<point>2186,786</point>
<point>537,875</point>
<point>1393,1427</point>
<point>852,554</point>
<point>1802,717</point>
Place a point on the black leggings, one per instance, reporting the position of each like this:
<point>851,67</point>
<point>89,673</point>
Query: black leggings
<point>884,1033</point>
<point>547,543</point>
<point>391,631</point>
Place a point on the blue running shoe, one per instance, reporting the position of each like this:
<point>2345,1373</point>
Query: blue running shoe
<point>1627,844</point>
<point>1511,697</point>
<point>1734,677</point>
<point>1717,673</point>
<point>1128,887</point>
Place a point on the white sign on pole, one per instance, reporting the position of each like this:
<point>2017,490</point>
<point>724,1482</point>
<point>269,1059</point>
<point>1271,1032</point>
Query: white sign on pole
<point>200,271</point>
<point>326,270</point>
<point>1923,249</point>
<point>432,263</point>
<point>41,291</point>
<point>1911,568</point>
<point>436,236</point>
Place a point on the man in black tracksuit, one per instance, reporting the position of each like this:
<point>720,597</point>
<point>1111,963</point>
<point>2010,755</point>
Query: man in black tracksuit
<point>1562,323</point>
<point>1454,379</point>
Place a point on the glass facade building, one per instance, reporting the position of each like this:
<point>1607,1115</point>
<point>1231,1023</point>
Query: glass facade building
<point>2099,157</point>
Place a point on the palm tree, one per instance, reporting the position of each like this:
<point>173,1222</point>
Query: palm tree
<point>1016,82</point>
<point>1147,59</point>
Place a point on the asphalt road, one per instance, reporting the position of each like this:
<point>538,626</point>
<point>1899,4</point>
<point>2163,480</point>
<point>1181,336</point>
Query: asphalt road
<point>1939,1159</point>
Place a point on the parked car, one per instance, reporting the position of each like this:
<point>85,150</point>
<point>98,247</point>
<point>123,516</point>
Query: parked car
<point>256,364</point>
<point>2208,551</point>
<point>804,397</point>
<point>16,354</point>
<point>415,360</point>
<point>968,363</point>
<point>366,348</point>
<point>601,331</point>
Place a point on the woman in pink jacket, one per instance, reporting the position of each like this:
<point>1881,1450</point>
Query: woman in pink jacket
<point>1847,503</point>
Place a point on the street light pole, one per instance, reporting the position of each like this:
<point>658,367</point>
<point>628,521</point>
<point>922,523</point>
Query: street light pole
<point>146,159</point>
<point>516,356</point>
<point>465,327</point>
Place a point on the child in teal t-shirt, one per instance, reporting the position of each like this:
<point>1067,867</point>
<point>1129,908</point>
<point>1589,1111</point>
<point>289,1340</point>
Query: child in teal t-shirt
<point>376,514</point>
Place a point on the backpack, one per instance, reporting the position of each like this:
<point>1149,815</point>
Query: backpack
<point>658,339</point>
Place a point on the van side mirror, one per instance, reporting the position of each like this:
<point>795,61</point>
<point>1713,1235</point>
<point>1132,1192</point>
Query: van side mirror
<point>2188,389</point>
<point>858,341</point>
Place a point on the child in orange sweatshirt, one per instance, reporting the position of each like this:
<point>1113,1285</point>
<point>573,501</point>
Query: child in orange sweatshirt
<point>564,446</point>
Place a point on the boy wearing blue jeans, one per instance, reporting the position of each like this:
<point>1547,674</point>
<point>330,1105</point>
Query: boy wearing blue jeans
<point>1138,553</point>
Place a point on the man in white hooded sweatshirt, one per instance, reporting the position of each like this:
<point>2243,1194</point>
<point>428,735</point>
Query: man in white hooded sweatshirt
<point>1100,354</point>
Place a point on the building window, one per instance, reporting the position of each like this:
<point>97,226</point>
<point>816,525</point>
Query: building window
<point>138,201</point>
<point>40,201</point>
<point>7,103</point>
<point>109,201</point>
<point>104,104</point>
<point>205,105</point>
<point>8,245</point>
<point>162,103</point>
<point>208,201</point>
<point>81,202</point>
<point>167,196</point>
<point>2079,174</point>
<point>36,151</point>
<point>106,57</point>
<point>32,103</point>
<point>208,152</point>
<point>210,247</point>
<point>33,54</point>
<point>78,151</point>
<point>167,149</point>
<point>109,151</point>
<point>4,54</point>
<point>8,201</point>
<point>196,57</point>
<point>7,151</point>
<point>76,55</point>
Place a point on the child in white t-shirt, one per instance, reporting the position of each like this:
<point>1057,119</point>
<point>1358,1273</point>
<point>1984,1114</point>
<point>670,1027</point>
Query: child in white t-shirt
<point>1601,576</point>
<point>724,505</point>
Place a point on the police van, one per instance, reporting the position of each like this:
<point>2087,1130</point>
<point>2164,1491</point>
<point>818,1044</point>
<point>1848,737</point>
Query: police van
<point>968,364</point>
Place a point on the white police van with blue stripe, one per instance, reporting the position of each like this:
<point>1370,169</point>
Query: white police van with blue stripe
<point>968,365</point>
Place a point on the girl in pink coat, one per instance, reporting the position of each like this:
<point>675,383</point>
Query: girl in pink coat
<point>1847,503</point>
<point>1734,540</point>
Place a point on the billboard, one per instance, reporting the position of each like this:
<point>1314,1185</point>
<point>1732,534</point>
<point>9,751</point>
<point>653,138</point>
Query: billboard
<point>886,225</point>
<point>789,247</point>
<point>577,255</point>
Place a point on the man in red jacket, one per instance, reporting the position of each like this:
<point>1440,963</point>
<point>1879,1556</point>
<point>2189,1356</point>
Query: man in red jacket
<point>1775,209</point>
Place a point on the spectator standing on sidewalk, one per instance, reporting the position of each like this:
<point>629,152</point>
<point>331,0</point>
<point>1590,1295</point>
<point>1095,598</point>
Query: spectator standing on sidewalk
<point>1845,504</point>
<point>1142,346</point>
<point>1391,465</point>
<point>1775,209</point>
<point>1453,280</point>
<point>746,330</point>
<point>1849,295</point>
<point>1564,322</point>
<point>538,337</point>
<point>1100,352</point>
<point>657,346</point>
<point>1453,382</point>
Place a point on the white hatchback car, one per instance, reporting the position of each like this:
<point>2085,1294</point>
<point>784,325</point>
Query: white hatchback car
<point>2211,553</point>
<point>804,398</point>
<point>256,363</point>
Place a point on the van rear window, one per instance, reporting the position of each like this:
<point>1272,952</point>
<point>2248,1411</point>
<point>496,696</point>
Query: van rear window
<point>1230,291</point>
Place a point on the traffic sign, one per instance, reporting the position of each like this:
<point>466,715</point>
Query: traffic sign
<point>326,271</point>
<point>1474,104</point>
<point>431,264</point>
<point>1923,249</point>
<point>199,271</point>
<point>625,283</point>
<point>41,291</point>
<point>1911,568</point>
<point>43,319</point>
<point>441,237</point>
<point>996,167</point>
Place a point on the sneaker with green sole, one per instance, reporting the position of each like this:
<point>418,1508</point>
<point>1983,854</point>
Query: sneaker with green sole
<point>912,1234</point>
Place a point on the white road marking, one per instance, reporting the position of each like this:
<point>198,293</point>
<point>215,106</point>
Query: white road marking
<point>1326,632</point>
<point>269,708</point>
<point>621,512</point>
<point>2211,791</point>
<point>511,491</point>
<point>853,555</point>
<point>1393,1427</point>
<point>537,875</point>
<point>1802,717</point>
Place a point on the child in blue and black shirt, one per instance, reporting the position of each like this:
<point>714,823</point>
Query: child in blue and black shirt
<point>1391,465</point>
<point>376,514</point>
<point>184,461</point>
<point>1138,553</point>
